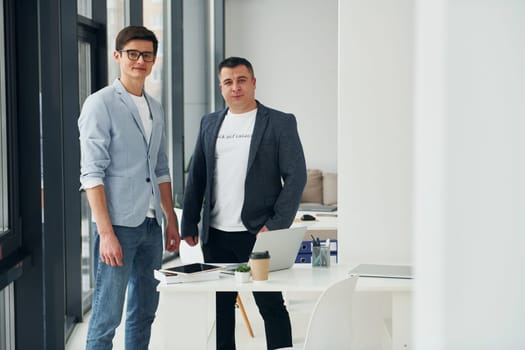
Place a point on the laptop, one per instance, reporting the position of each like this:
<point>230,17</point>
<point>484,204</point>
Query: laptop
<point>283,246</point>
<point>382,271</point>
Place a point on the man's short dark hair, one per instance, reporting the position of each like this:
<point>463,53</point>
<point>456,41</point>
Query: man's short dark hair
<point>135,33</point>
<point>232,62</point>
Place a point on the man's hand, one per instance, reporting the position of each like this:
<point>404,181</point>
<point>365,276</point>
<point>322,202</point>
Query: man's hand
<point>263,229</point>
<point>110,249</point>
<point>172,238</point>
<point>192,240</point>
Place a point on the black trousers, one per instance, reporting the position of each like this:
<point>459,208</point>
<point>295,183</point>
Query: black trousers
<point>228,247</point>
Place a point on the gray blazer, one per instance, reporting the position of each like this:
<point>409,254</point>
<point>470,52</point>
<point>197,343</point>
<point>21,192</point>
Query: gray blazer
<point>114,149</point>
<point>275,177</point>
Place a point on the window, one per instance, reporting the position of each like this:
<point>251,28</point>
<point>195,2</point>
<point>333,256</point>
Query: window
<point>84,8</point>
<point>7,315</point>
<point>93,59</point>
<point>3,134</point>
<point>85,87</point>
<point>118,18</point>
<point>7,319</point>
<point>153,20</point>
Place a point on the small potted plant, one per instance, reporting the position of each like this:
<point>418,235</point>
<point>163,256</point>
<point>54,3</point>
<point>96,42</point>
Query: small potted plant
<point>242,273</point>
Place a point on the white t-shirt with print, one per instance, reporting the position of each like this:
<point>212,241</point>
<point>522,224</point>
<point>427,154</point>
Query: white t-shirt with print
<point>231,162</point>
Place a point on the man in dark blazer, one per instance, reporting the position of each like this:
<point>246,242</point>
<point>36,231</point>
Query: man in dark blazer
<point>247,176</point>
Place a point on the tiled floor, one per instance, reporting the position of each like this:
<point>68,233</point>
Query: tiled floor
<point>299,305</point>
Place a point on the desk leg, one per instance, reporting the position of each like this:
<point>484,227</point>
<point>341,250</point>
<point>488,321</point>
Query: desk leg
<point>186,320</point>
<point>401,320</point>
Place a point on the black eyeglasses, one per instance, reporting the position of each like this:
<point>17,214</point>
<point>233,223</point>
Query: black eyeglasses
<point>134,55</point>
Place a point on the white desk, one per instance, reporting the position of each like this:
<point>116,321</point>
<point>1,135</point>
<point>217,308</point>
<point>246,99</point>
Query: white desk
<point>301,277</point>
<point>324,220</point>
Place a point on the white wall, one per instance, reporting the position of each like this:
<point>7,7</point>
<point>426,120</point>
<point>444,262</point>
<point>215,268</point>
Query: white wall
<point>375,130</point>
<point>292,45</point>
<point>448,173</point>
<point>470,171</point>
<point>295,48</point>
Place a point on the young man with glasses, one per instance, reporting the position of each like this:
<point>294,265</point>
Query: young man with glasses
<point>124,171</point>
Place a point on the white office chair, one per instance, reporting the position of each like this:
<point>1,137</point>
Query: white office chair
<point>331,320</point>
<point>189,254</point>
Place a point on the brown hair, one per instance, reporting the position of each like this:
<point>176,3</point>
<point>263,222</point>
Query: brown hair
<point>135,33</point>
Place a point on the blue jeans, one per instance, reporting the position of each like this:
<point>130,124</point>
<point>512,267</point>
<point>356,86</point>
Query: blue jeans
<point>142,253</point>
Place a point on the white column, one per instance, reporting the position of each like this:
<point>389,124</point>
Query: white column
<point>375,130</point>
<point>375,157</point>
<point>469,222</point>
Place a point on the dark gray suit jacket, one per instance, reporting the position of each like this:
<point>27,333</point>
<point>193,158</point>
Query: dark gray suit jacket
<point>275,178</point>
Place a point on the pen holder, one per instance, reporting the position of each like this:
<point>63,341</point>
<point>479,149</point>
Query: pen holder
<point>320,256</point>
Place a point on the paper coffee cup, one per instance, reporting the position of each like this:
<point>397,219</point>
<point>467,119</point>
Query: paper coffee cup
<point>260,265</point>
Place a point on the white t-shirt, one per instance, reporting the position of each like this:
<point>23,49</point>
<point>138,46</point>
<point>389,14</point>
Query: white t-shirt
<point>231,162</point>
<point>147,122</point>
<point>145,115</point>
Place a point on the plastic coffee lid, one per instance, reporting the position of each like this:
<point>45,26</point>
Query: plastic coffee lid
<point>260,255</point>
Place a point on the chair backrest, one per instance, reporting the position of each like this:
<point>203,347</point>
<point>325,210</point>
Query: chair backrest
<point>331,320</point>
